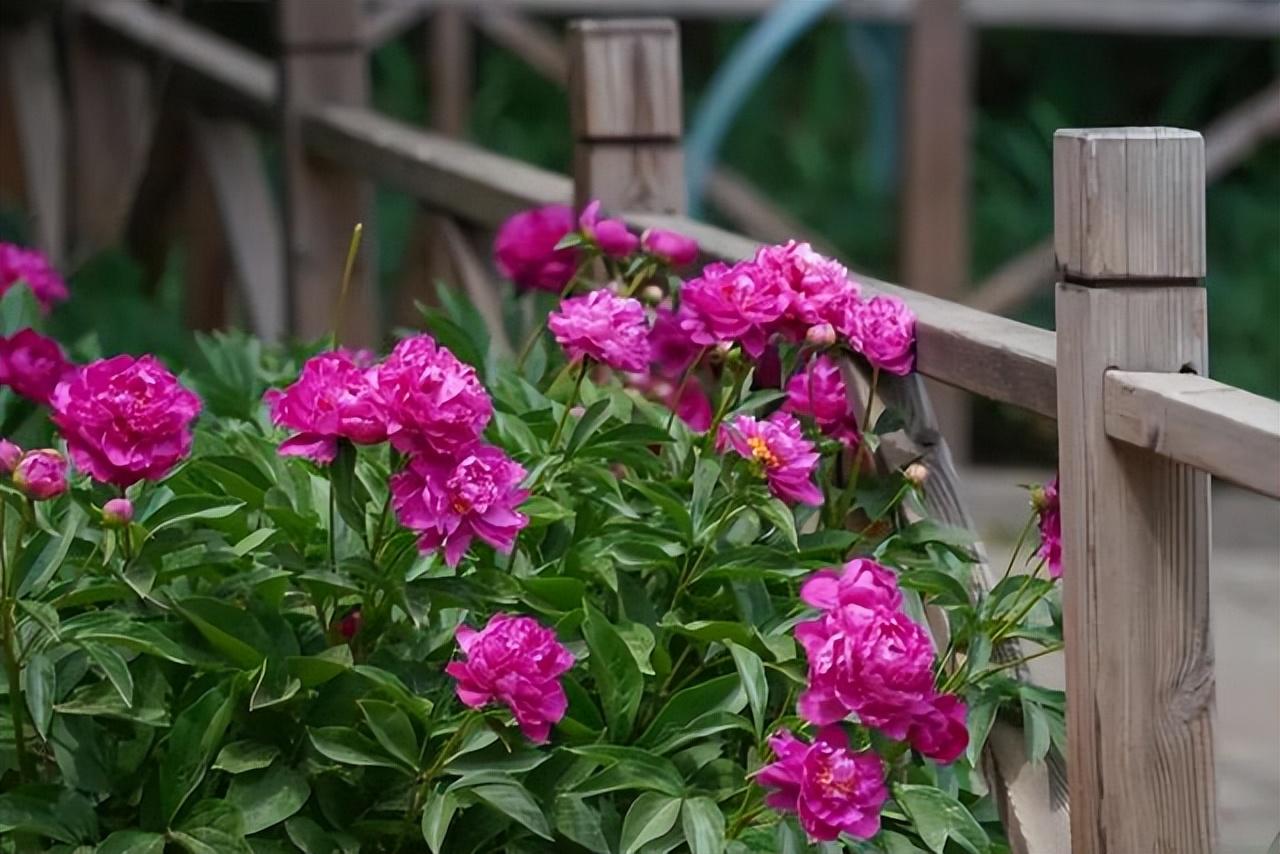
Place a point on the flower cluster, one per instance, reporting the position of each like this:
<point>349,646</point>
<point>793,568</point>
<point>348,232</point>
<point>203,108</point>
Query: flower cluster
<point>428,405</point>
<point>124,419</point>
<point>21,265</point>
<point>869,659</point>
<point>32,365</point>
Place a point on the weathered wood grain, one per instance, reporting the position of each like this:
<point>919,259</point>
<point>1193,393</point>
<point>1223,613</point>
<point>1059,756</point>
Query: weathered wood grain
<point>1192,419</point>
<point>320,63</point>
<point>1140,684</point>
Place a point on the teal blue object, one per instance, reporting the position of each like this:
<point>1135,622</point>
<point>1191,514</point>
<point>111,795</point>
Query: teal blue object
<point>735,80</point>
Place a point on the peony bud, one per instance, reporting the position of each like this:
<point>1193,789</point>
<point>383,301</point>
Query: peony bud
<point>349,625</point>
<point>1039,499</point>
<point>916,474</point>
<point>651,295</point>
<point>820,335</point>
<point>41,475</point>
<point>9,456</point>
<point>117,513</point>
<point>670,247</point>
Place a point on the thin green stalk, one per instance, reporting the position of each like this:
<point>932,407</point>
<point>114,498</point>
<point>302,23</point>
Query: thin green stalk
<point>728,397</point>
<point>353,248</point>
<point>573,400</point>
<point>333,514</point>
<point>542,326</point>
<point>1022,538</point>
<point>1017,662</point>
<point>13,673</point>
<point>850,493</point>
<point>1016,618</point>
<point>684,382</point>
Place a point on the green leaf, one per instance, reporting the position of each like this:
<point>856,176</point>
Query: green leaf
<point>313,670</point>
<point>195,735</point>
<point>310,837</point>
<point>253,541</point>
<point>437,814</point>
<point>722,694</point>
<point>132,842</point>
<point>345,745</point>
<point>703,825</point>
<point>1035,729</point>
<point>780,516</point>
<point>941,587</point>
<point>268,797</point>
<point>275,684</point>
<point>19,309</point>
<point>241,756</point>
<point>37,566</point>
<point>514,801</point>
<point>114,667</point>
<point>543,511</point>
<point>49,811</point>
<point>580,822</point>
<point>230,630</point>
<point>212,827</point>
<point>651,815</point>
<point>40,683</point>
<point>754,682</point>
<point>705,476</point>
<point>187,508</point>
<point>938,817</point>
<point>392,729</point>
<point>596,414</point>
<point>629,768</point>
<point>896,843</point>
<point>982,715</point>
<point>617,676</point>
<point>350,495</point>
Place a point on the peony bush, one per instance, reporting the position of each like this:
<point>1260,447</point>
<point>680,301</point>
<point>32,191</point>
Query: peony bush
<point>643,586</point>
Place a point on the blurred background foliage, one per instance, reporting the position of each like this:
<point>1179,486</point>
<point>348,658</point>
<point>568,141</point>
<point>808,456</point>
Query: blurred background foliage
<point>821,138</point>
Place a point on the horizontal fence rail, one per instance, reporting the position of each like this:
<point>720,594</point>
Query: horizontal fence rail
<point>982,353</point>
<point>1227,432</point>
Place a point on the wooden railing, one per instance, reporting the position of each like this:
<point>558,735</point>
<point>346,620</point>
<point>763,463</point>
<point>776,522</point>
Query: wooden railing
<point>1140,426</point>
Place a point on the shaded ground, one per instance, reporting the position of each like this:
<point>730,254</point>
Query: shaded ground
<point>1246,624</point>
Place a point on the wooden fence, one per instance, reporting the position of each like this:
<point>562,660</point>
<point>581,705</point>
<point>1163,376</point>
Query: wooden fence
<point>1141,427</point>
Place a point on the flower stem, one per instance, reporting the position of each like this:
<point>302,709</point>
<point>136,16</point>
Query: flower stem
<point>1017,662</point>
<point>851,491</point>
<point>333,514</point>
<point>1022,538</point>
<point>573,400</point>
<point>684,382</point>
<point>542,326</point>
<point>353,249</point>
<point>13,673</point>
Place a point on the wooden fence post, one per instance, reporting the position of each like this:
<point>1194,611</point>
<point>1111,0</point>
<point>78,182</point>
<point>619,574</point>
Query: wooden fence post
<point>1129,235</point>
<point>625,108</point>
<point>322,60</point>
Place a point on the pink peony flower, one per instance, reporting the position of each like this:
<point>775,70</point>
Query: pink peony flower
<point>525,248</point>
<point>670,247</point>
<point>448,504</point>
<point>32,365</point>
<point>732,305</point>
<point>941,732</point>
<point>332,399</point>
<point>10,453</point>
<point>779,447</point>
<point>125,419</point>
<point>861,582</point>
<point>41,475</point>
<point>874,662</point>
<point>819,288</point>
<point>831,788</point>
<point>610,235</point>
<point>18,264</point>
<point>1046,503</point>
<point>884,330</point>
<point>434,404</point>
<point>600,325</point>
<point>670,347</point>
<point>819,391</point>
<point>117,513</point>
<point>517,662</point>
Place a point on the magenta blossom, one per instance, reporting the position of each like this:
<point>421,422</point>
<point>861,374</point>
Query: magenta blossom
<point>941,732</point>
<point>525,248</point>
<point>18,264</point>
<point>732,305</point>
<point>605,327</point>
<point>884,330</point>
<point>32,365</point>
<point>859,582</point>
<point>819,391</point>
<point>1048,507</point>
<point>435,404</point>
<point>689,402</point>
<point>819,289</point>
<point>448,504</point>
<point>41,475</point>
<point>332,399</point>
<point>125,419</point>
<point>10,453</point>
<point>117,513</point>
<point>670,347</point>
<point>517,662</point>
<point>610,235</point>
<point>670,247</point>
<point>779,447</point>
<point>831,788</point>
